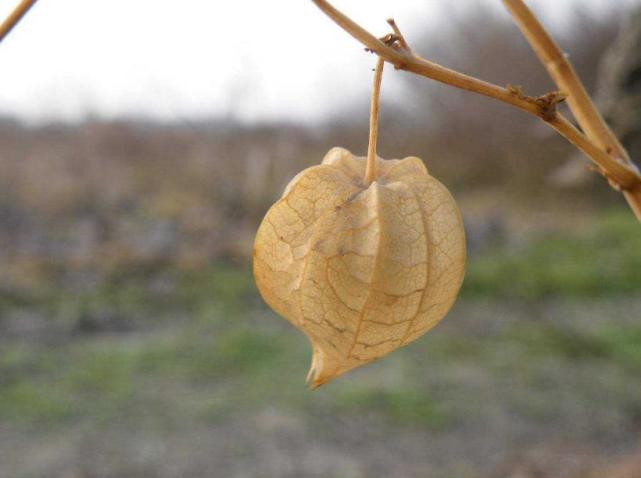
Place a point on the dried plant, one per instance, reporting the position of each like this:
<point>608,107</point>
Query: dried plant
<point>595,139</point>
<point>363,255</point>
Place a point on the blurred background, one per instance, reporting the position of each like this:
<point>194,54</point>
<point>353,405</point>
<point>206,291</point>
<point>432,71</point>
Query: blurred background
<point>142,142</point>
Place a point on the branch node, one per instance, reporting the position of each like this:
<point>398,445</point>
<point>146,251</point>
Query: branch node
<point>402,43</point>
<point>390,40</point>
<point>548,102</point>
<point>611,181</point>
<point>517,90</point>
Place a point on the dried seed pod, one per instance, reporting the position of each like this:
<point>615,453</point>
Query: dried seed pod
<point>360,267</point>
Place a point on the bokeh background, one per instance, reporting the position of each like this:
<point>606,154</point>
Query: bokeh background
<point>142,142</point>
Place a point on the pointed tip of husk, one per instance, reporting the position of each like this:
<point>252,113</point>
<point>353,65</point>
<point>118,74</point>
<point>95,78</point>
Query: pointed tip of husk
<point>318,374</point>
<point>312,382</point>
<point>315,370</point>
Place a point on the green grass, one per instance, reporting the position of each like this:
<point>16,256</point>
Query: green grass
<point>544,340</point>
<point>617,345</point>
<point>101,377</point>
<point>206,332</point>
<point>28,402</point>
<point>243,368</point>
<point>623,345</point>
<point>602,261</point>
<point>405,406</point>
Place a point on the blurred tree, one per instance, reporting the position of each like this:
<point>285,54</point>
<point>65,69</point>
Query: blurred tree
<point>618,95</point>
<point>500,142</point>
<point>619,92</point>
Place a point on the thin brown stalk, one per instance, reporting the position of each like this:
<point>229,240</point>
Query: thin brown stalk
<point>370,169</point>
<point>14,17</point>
<point>405,60</point>
<point>621,173</point>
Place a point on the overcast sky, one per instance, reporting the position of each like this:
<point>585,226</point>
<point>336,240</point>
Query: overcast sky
<point>188,59</point>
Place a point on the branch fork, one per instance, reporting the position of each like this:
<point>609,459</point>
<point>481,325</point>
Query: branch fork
<point>546,103</point>
<point>595,139</point>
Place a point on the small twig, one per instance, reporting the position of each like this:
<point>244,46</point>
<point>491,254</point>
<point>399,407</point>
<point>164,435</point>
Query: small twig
<point>14,17</point>
<point>624,174</point>
<point>401,39</point>
<point>370,169</point>
<point>415,64</point>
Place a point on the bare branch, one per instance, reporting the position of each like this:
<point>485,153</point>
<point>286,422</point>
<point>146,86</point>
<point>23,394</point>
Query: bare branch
<point>563,74</point>
<point>14,17</point>
<point>619,171</point>
<point>404,60</point>
<point>579,101</point>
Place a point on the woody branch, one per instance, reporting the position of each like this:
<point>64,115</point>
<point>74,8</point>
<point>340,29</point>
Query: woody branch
<point>596,140</point>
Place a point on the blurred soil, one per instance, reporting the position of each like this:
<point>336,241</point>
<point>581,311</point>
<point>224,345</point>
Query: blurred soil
<point>133,342</point>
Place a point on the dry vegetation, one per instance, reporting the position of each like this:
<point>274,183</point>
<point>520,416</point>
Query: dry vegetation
<point>81,194</point>
<point>132,341</point>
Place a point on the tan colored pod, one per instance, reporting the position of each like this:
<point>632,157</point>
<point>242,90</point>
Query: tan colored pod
<point>361,270</point>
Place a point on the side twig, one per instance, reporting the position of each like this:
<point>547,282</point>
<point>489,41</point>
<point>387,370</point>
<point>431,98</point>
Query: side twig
<point>393,48</point>
<point>14,17</point>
